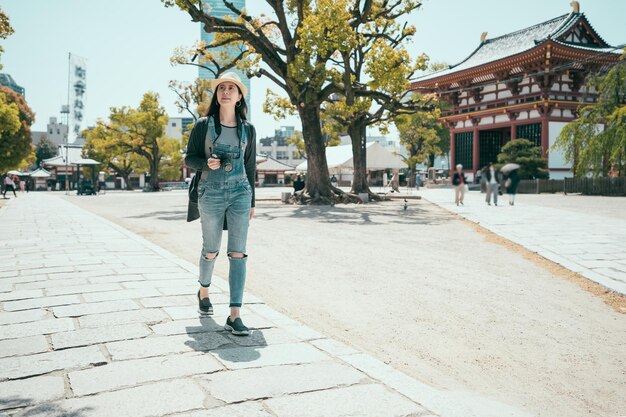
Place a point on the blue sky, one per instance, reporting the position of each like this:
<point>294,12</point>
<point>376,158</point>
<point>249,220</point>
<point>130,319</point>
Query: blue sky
<point>127,44</point>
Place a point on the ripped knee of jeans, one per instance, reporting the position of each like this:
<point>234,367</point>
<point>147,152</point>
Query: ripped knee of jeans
<point>210,256</point>
<point>237,255</point>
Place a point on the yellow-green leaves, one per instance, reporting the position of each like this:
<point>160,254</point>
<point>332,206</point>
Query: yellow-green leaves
<point>9,116</point>
<point>5,29</point>
<point>277,106</point>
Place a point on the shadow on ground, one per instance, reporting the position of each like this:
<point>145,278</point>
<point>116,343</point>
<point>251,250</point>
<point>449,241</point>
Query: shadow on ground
<point>211,336</point>
<point>418,213</point>
<point>50,409</point>
<point>176,215</point>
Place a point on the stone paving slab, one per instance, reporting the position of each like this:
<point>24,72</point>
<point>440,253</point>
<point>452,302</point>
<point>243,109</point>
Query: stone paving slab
<point>285,354</point>
<point>585,243</point>
<point>78,310</point>
<point>11,331</point>
<point>22,316</point>
<point>42,363</point>
<point>276,381</point>
<point>164,345</point>
<point>371,400</point>
<point>135,372</point>
<point>31,391</point>
<point>90,336</point>
<point>23,346</point>
<point>247,409</point>
<point>40,302</point>
<point>148,400</point>
<point>149,316</point>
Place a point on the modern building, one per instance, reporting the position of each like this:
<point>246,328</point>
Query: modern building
<point>525,84</point>
<point>178,126</point>
<point>218,8</point>
<point>277,147</point>
<point>8,81</point>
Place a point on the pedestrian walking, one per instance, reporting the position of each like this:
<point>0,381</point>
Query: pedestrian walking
<point>222,151</point>
<point>418,181</point>
<point>459,180</point>
<point>298,184</point>
<point>492,178</point>
<point>9,185</point>
<point>511,184</point>
<point>333,181</point>
<point>394,183</point>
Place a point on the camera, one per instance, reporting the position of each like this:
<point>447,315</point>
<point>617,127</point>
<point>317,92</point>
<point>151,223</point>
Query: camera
<point>225,161</point>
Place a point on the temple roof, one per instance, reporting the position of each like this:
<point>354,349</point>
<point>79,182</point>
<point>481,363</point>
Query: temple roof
<point>272,164</point>
<point>560,30</point>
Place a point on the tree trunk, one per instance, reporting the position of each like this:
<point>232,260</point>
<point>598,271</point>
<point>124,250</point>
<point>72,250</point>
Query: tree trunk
<point>317,177</point>
<point>124,173</point>
<point>154,175</point>
<point>411,179</point>
<point>126,178</point>
<point>356,130</point>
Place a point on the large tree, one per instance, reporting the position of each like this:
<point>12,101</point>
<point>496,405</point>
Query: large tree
<point>373,73</point>
<point>100,146</point>
<point>139,131</point>
<point>15,135</point>
<point>295,45</point>
<point>528,157</point>
<point>423,135</point>
<point>596,142</point>
<point>45,149</point>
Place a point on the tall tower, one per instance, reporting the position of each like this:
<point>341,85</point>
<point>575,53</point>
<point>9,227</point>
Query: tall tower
<point>218,9</point>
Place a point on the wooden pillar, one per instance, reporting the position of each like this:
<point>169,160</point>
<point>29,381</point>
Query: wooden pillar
<point>452,150</point>
<point>475,149</point>
<point>545,140</point>
<point>513,132</point>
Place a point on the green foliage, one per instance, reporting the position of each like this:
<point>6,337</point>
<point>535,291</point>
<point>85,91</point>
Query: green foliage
<point>527,156</point>
<point>298,141</point>
<point>45,149</point>
<point>587,146</point>
<point>317,49</point>
<point>9,116</point>
<point>134,139</point>
<point>15,144</point>
<point>423,135</point>
<point>193,98</point>
<point>5,29</point>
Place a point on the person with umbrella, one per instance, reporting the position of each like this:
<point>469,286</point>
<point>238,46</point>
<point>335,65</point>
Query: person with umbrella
<point>511,172</point>
<point>9,185</point>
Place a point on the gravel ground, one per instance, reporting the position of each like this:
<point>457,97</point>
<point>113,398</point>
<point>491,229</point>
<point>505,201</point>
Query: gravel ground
<point>422,290</point>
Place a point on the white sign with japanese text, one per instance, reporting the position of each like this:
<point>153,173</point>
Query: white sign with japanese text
<point>78,96</point>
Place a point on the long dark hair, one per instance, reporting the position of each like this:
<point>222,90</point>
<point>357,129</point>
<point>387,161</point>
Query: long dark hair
<point>241,109</point>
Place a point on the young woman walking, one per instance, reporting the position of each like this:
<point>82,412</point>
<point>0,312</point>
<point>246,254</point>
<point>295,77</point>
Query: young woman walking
<point>222,150</point>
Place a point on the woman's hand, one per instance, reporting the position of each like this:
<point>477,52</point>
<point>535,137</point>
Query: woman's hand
<point>251,212</point>
<point>213,162</point>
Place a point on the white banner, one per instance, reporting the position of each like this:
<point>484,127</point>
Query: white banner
<point>78,96</point>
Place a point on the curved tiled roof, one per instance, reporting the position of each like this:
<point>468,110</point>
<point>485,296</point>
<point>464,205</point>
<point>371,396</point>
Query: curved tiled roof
<point>518,42</point>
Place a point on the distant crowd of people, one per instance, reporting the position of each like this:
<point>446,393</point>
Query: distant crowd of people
<point>11,183</point>
<point>490,179</point>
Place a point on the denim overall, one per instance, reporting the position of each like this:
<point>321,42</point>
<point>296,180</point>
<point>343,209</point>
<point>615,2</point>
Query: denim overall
<point>225,194</point>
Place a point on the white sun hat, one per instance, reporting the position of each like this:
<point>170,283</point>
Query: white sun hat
<point>229,77</point>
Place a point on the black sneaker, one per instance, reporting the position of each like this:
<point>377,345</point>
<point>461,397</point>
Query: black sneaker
<point>204,305</point>
<point>236,327</point>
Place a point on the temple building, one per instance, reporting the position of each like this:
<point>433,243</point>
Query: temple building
<point>526,84</point>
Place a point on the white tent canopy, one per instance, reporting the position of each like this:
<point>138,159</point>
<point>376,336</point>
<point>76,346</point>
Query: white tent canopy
<point>340,158</point>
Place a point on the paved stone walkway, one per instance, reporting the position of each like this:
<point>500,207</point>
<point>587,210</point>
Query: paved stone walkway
<point>592,245</point>
<point>97,321</point>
